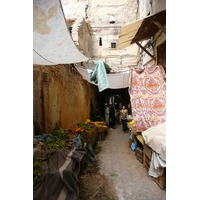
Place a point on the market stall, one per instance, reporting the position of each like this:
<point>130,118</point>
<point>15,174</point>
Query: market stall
<point>57,174</point>
<point>154,157</point>
<point>101,129</point>
<point>58,157</point>
<point>147,92</point>
<point>135,141</point>
<point>150,150</point>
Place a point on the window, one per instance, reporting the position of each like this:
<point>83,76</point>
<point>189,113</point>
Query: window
<point>100,41</point>
<point>113,45</point>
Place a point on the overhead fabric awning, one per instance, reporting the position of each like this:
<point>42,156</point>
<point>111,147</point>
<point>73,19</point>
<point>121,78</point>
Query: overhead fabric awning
<point>52,42</point>
<point>116,81</point>
<point>141,29</point>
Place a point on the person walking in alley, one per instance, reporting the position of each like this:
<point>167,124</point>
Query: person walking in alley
<point>123,118</point>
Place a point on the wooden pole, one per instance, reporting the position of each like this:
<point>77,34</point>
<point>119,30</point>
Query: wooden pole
<point>145,50</point>
<point>163,29</point>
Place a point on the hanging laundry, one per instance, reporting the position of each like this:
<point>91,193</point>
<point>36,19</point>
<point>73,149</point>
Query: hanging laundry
<point>99,75</point>
<point>147,90</point>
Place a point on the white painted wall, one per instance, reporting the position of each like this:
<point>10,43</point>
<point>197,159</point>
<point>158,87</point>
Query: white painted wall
<point>97,14</point>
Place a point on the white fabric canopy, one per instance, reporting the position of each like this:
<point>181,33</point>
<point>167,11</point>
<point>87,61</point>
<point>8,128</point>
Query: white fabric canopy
<point>116,81</point>
<point>52,43</point>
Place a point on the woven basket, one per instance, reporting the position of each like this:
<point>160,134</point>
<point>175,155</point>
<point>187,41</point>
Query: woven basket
<point>101,129</point>
<point>91,137</point>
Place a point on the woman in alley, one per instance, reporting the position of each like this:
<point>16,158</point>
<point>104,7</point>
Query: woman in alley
<point>123,118</point>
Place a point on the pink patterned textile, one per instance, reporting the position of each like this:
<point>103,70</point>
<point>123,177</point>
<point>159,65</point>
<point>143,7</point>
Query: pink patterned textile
<point>147,90</point>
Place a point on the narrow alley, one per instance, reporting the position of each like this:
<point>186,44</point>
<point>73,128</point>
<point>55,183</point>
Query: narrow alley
<point>99,83</point>
<point>119,175</point>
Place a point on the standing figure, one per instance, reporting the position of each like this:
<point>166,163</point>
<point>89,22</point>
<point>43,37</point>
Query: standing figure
<point>106,113</point>
<point>123,118</point>
<point>111,116</point>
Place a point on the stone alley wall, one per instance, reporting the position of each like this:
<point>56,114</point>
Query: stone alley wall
<point>59,95</point>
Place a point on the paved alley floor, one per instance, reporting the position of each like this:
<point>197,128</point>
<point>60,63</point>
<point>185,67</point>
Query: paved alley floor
<point>125,176</point>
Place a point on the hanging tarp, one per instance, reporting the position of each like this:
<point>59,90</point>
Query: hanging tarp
<point>116,81</point>
<point>141,29</point>
<point>147,90</point>
<point>52,43</point>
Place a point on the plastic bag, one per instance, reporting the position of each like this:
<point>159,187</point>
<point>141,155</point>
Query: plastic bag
<point>133,146</point>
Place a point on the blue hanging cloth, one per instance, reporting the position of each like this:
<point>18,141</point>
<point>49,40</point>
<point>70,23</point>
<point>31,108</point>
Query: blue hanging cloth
<point>99,75</point>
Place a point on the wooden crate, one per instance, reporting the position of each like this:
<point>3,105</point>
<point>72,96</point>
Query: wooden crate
<point>101,136</point>
<point>139,154</point>
<point>101,129</point>
<point>147,163</point>
<point>89,137</point>
<point>146,156</point>
<point>161,181</point>
<point>147,152</point>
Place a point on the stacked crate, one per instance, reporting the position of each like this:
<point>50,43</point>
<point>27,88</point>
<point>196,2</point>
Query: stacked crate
<point>146,156</point>
<point>139,153</point>
<point>160,181</point>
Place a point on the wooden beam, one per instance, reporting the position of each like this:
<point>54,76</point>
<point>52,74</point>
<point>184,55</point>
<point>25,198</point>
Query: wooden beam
<point>145,50</point>
<point>163,29</point>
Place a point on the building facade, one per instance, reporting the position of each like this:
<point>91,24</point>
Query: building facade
<point>95,28</point>
<point>156,45</point>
